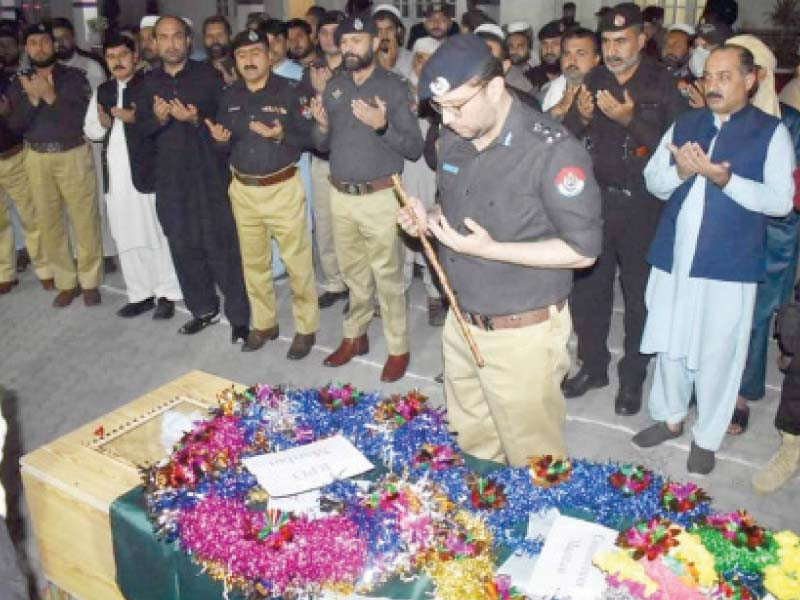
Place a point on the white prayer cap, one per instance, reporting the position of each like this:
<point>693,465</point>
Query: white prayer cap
<point>765,98</point>
<point>188,21</point>
<point>687,29</point>
<point>390,8</point>
<point>519,27</point>
<point>490,29</point>
<point>426,45</point>
<point>148,21</point>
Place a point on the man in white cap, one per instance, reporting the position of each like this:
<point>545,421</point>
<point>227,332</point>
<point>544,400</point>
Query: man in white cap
<point>519,41</point>
<point>496,40</point>
<point>391,54</point>
<point>148,51</point>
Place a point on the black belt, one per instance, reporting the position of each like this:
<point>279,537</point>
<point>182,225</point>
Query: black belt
<point>363,188</point>
<point>54,147</point>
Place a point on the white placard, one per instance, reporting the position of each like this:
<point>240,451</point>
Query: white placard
<point>564,568</point>
<point>307,467</point>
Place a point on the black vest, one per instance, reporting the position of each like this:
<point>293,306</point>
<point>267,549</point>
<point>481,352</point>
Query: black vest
<point>141,150</point>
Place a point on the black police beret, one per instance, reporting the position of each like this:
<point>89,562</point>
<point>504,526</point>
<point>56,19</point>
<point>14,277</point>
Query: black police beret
<point>458,59</point>
<point>715,34</point>
<point>36,29</point>
<point>362,24</point>
<point>332,17</point>
<point>248,37</point>
<point>553,29</point>
<point>653,14</point>
<point>621,16</point>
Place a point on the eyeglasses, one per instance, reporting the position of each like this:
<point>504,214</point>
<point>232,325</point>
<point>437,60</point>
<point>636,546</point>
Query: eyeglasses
<point>455,110</point>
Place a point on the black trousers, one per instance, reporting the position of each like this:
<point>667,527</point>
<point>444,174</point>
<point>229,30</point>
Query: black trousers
<point>788,417</point>
<point>628,228</point>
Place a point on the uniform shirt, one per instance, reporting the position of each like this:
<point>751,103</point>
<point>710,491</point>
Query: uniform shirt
<point>357,153</point>
<point>533,183</point>
<point>91,67</point>
<point>279,100</point>
<point>621,153</point>
<point>61,122</point>
<point>8,139</point>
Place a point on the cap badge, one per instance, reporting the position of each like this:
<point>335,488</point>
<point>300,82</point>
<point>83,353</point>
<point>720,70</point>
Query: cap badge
<point>252,36</point>
<point>619,21</point>
<point>440,86</point>
<point>358,24</point>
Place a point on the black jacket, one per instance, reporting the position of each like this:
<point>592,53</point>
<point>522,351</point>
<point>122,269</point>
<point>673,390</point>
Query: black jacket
<point>141,150</point>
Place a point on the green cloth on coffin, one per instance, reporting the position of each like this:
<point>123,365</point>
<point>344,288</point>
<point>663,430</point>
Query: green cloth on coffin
<point>149,569</point>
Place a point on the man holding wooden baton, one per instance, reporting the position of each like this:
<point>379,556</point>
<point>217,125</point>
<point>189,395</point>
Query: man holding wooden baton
<point>519,210</point>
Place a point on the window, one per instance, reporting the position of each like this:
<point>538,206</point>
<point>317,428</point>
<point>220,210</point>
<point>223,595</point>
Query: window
<point>678,11</point>
<point>415,9</point>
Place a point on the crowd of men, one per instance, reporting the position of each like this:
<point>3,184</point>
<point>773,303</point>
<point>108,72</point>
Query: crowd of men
<point>663,154</point>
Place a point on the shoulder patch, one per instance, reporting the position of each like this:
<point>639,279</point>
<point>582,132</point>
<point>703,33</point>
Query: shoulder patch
<point>548,133</point>
<point>570,181</point>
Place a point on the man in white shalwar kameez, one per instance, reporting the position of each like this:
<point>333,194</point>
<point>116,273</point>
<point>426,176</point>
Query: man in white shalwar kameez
<point>721,169</point>
<point>144,254</point>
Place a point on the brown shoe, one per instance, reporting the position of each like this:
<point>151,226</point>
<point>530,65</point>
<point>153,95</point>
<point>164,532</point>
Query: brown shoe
<point>349,348</point>
<point>48,284</point>
<point>5,286</point>
<point>91,297</point>
<point>301,345</point>
<point>395,367</point>
<point>258,337</point>
<point>65,297</point>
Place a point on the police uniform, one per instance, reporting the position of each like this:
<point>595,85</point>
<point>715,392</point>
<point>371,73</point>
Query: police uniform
<point>541,75</point>
<point>533,183</point>
<point>363,204</point>
<point>630,215</point>
<point>61,174</point>
<point>267,195</point>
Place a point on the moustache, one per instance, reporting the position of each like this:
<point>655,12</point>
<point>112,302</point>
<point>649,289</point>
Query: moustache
<point>712,95</point>
<point>118,68</point>
<point>613,59</point>
<point>249,68</point>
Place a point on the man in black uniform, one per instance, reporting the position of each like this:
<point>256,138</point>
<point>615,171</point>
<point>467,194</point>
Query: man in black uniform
<point>191,181</point>
<point>266,123</point>
<point>549,53</point>
<point>364,117</point>
<point>623,109</point>
<point>519,210</point>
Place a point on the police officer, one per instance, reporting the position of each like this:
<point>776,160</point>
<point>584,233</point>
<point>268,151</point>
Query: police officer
<point>622,110</point>
<point>364,117</point>
<point>47,108</point>
<point>519,210</point>
<point>549,53</point>
<point>267,125</point>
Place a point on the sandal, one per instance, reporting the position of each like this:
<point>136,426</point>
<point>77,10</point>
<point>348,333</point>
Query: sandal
<point>740,419</point>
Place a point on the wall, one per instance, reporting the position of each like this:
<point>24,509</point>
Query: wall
<point>753,14</point>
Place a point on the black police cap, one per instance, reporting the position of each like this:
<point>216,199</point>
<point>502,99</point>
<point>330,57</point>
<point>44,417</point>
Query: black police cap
<point>621,17</point>
<point>332,17</point>
<point>460,58</point>
<point>356,24</point>
<point>248,37</point>
<point>36,29</point>
<point>715,34</point>
<point>553,29</point>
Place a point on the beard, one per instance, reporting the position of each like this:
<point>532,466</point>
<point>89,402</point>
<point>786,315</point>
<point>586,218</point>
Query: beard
<point>299,54</point>
<point>673,62</point>
<point>217,51</point>
<point>519,59</point>
<point>574,76</point>
<point>65,52</point>
<point>44,62</point>
<point>354,62</point>
<point>617,65</point>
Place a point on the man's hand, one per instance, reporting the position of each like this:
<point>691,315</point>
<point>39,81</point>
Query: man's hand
<point>103,116</point>
<point>319,113</point>
<point>218,132</point>
<point>414,213</point>
<point>477,243</point>
<point>691,159</point>
<point>621,112</point>
<point>38,88</point>
<point>585,104</point>
<point>320,77</point>
<point>186,113</point>
<point>563,106</point>
<point>161,109</point>
<point>373,116</point>
<point>126,115</point>
<point>228,77</point>
<point>271,132</point>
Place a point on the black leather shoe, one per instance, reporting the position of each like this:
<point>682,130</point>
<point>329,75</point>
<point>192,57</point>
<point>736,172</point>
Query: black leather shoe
<point>197,324</point>
<point>582,383</point>
<point>301,345</point>
<point>134,309</point>
<point>239,332</point>
<point>258,337</point>
<point>328,299</point>
<point>165,309</point>
<point>628,401</point>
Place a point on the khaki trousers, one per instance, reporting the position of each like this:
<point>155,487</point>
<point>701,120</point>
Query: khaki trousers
<point>323,225</point>
<point>64,183</point>
<point>275,211</point>
<point>368,246</point>
<point>14,182</point>
<point>512,408</point>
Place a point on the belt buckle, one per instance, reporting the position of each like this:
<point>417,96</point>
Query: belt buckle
<point>352,188</point>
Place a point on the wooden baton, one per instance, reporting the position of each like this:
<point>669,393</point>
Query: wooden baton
<point>437,266</point>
